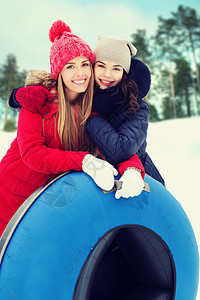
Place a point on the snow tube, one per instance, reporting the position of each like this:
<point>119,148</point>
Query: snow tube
<point>69,240</point>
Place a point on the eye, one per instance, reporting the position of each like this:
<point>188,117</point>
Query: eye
<point>69,67</point>
<point>116,69</point>
<point>100,66</point>
<point>85,65</point>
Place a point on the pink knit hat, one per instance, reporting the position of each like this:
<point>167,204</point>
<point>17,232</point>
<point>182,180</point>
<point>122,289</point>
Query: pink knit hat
<point>65,46</point>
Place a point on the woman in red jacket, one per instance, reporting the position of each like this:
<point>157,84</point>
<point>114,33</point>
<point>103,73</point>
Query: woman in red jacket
<point>49,144</point>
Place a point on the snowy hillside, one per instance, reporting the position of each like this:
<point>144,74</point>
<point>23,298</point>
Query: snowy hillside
<point>174,146</point>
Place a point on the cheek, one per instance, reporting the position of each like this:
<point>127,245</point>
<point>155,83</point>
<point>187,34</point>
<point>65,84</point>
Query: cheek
<point>65,74</point>
<point>65,79</point>
<point>96,72</point>
<point>119,78</point>
<point>97,75</point>
<point>89,73</point>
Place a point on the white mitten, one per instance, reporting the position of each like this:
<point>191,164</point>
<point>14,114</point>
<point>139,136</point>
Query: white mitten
<point>132,184</point>
<point>100,170</point>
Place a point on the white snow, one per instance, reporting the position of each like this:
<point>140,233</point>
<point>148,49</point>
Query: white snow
<point>174,146</point>
<point>5,140</point>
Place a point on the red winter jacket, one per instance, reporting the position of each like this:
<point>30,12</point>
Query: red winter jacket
<point>34,158</point>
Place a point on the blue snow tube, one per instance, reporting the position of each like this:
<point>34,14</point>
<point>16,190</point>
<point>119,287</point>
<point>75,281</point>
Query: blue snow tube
<point>69,240</point>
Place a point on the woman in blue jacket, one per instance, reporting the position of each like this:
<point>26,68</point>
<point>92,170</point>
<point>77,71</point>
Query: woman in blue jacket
<point>120,127</point>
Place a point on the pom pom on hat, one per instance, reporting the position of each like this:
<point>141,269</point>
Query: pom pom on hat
<point>65,47</point>
<point>57,29</point>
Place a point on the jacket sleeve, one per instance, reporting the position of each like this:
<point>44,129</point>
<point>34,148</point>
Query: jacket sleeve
<point>133,162</point>
<point>12,100</point>
<point>36,155</point>
<point>119,145</point>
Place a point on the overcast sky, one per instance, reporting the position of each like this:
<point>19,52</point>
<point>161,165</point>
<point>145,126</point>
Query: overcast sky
<point>25,24</point>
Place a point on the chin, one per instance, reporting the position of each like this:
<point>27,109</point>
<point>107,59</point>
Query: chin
<point>103,87</point>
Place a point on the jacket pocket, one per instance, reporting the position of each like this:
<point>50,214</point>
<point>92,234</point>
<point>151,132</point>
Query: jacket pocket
<point>17,186</point>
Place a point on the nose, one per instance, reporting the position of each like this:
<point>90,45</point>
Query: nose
<point>107,72</point>
<point>79,71</point>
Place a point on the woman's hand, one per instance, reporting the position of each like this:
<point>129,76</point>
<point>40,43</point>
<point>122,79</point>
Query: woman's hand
<point>35,98</point>
<point>100,170</point>
<point>132,184</point>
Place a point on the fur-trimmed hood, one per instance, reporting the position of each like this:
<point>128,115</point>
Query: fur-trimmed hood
<point>40,77</point>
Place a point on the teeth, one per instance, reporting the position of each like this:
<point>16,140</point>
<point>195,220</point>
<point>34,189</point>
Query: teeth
<point>105,81</point>
<point>79,81</point>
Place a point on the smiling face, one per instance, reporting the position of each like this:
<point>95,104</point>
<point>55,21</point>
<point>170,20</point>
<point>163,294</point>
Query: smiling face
<point>107,74</point>
<point>76,76</point>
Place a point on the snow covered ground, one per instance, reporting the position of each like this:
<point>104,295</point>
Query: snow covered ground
<point>174,147</point>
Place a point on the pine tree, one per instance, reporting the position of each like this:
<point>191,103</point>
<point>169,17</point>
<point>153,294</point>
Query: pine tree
<point>141,42</point>
<point>164,90</point>
<point>10,78</point>
<point>188,25</point>
<point>153,113</point>
<point>164,38</point>
<point>183,82</point>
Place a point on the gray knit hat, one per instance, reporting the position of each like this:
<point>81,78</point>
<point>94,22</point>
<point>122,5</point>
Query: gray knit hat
<point>114,49</point>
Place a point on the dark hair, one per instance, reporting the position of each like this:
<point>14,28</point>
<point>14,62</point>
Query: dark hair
<point>130,91</point>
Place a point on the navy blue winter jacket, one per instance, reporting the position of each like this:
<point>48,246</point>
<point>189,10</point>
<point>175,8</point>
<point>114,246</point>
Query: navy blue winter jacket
<point>117,132</point>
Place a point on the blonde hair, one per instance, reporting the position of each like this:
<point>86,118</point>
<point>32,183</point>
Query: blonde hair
<point>72,119</point>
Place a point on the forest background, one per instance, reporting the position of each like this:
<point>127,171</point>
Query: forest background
<point>168,44</point>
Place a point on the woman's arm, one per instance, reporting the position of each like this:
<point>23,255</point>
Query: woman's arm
<point>12,100</point>
<point>132,162</point>
<point>34,98</point>
<point>119,145</point>
<point>36,155</point>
